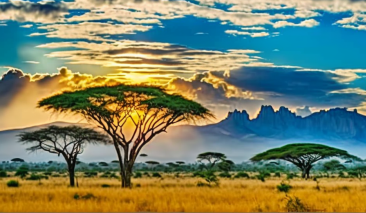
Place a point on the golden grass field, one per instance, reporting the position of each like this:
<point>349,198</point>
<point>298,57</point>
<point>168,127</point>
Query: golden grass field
<point>180,195</point>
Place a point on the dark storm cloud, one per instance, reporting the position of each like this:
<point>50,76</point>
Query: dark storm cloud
<point>11,83</point>
<point>272,84</point>
<point>312,88</point>
<point>284,81</point>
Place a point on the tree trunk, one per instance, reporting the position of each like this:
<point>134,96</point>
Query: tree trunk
<point>308,173</point>
<point>305,172</point>
<point>72,177</point>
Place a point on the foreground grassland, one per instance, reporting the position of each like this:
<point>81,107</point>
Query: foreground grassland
<point>181,195</point>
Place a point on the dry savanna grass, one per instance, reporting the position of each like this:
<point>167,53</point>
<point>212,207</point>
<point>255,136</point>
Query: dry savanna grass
<point>180,195</point>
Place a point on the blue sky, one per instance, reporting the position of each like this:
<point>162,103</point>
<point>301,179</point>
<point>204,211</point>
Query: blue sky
<point>225,54</point>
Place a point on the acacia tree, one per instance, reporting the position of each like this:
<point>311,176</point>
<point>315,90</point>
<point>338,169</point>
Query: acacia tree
<point>148,110</point>
<point>67,141</point>
<point>303,155</point>
<point>212,158</point>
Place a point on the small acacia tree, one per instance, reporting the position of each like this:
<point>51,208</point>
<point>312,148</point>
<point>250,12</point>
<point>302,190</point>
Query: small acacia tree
<point>303,155</point>
<point>148,110</point>
<point>67,141</point>
<point>212,158</point>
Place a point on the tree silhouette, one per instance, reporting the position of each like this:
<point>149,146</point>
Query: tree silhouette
<point>115,109</point>
<point>67,141</point>
<point>303,155</point>
<point>18,160</point>
<point>212,158</point>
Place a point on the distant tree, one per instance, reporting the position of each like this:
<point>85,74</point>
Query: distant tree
<point>103,164</point>
<point>180,162</point>
<point>171,164</point>
<point>22,171</point>
<point>149,110</point>
<point>67,141</point>
<point>333,165</point>
<point>18,160</point>
<point>226,165</point>
<point>212,158</point>
<point>152,164</point>
<point>303,155</point>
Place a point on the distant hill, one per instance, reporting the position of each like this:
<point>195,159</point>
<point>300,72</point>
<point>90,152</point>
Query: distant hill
<point>237,136</point>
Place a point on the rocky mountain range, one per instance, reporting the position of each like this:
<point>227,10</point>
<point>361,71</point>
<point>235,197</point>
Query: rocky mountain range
<point>334,124</point>
<point>238,136</point>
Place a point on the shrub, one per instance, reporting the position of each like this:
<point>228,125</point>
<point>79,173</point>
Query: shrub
<point>201,184</point>
<point>37,177</point>
<point>138,185</point>
<point>12,183</point>
<point>291,176</point>
<point>3,173</point>
<point>138,175</point>
<point>90,174</point>
<point>277,174</point>
<point>147,174</point>
<point>198,174</point>
<point>22,171</point>
<point>156,174</point>
<point>341,174</point>
<point>242,175</point>
<point>47,173</point>
<point>225,175</point>
<point>284,187</point>
<point>296,205</point>
<point>113,175</point>
<point>106,185</point>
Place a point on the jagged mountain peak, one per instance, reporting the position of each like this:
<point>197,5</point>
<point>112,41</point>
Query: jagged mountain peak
<point>336,123</point>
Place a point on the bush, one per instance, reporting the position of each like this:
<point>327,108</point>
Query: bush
<point>296,205</point>
<point>22,171</point>
<point>198,174</point>
<point>106,185</point>
<point>90,174</point>
<point>37,177</point>
<point>291,176</point>
<point>283,187</point>
<point>156,174</point>
<point>277,174</point>
<point>225,175</point>
<point>242,175</point>
<point>47,173</point>
<point>341,174</point>
<point>3,173</point>
<point>147,174</point>
<point>138,175</point>
<point>201,184</point>
<point>12,183</point>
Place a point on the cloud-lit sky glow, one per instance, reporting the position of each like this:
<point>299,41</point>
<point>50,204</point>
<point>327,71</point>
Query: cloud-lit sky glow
<point>304,54</point>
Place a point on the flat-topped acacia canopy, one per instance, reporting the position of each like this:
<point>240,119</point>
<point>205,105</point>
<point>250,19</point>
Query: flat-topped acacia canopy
<point>150,109</point>
<point>101,99</point>
<point>303,155</point>
<point>303,149</point>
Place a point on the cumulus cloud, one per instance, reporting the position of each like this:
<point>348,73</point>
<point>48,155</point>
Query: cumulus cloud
<point>18,88</point>
<point>235,32</point>
<point>26,11</point>
<point>306,23</point>
<point>303,112</point>
<point>129,56</point>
